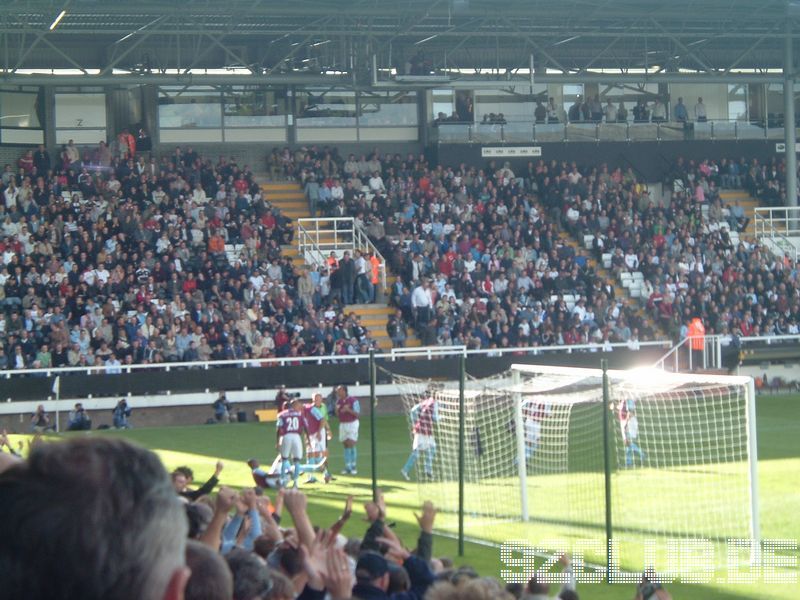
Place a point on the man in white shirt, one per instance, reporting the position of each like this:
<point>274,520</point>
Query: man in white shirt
<point>421,301</point>
<point>631,260</point>
<point>102,274</point>
<point>363,283</point>
<point>376,183</point>
<point>700,111</point>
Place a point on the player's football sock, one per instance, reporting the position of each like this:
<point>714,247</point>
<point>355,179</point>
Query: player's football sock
<point>284,471</point>
<point>347,458</point>
<point>412,459</point>
<point>296,472</point>
<point>635,448</point>
<point>353,458</point>
<point>429,461</point>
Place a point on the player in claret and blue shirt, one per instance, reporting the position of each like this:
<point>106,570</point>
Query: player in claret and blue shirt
<point>423,417</point>
<point>348,410</point>
<point>291,429</point>
<point>629,425</point>
<point>319,434</point>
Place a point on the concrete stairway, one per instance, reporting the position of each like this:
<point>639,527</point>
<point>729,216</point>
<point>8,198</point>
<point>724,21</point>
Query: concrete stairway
<point>621,293</point>
<point>374,317</point>
<point>288,197</point>
<point>747,202</point>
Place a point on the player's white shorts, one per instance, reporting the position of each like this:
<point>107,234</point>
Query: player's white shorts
<point>533,430</point>
<point>423,442</point>
<point>348,431</point>
<point>292,447</point>
<point>318,442</point>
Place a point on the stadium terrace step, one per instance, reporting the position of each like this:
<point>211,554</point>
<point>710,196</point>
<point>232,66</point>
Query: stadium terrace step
<point>297,204</point>
<point>370,309</point>
<point>375,317</point>
<point>296,196</point>
<point>747,202</point>
<point>621,294</point>
<point>286,186</point>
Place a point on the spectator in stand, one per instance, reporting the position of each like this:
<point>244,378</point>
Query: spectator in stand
<point>622,113</point>
<point>641,114</point>
<point>680,113</point>
<point>347,278</point>
<point>659,111</point>
<point>700,111</point>
<point>610,112</point>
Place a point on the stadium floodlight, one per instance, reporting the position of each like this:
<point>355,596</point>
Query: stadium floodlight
<point>681,449</point>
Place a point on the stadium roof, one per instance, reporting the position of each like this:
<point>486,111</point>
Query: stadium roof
<point>488,38</point>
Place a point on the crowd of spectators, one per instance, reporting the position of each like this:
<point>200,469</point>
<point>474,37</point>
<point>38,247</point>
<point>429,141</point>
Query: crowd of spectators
<point>480,258</point>
<point>692,248</point>
<point>111,259</point>
<point>481,261</point>
<point>134,532</point>
<point>116,260</point>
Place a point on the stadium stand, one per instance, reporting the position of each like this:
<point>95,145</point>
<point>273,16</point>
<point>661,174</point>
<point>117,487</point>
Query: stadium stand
<point>494,245</point>
<point>114,259</point>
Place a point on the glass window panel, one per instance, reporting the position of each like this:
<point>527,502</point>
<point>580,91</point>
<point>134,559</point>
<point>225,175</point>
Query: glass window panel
<point>737,102</point>
<point>19,110</point>
<point>189,108</point>
<point>443,101</point>
<point>254,107</point>
<point>390,108</point>
<point>570,93</point>
<point>630,95</point>
<point>517,105</point>
<point>326,107</point>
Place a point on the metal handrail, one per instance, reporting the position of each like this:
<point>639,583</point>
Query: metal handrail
<point>347,235</point>
<point>714,129</point>
<point>420,352</point>
<point>779,224</point>
<point>712,349</point>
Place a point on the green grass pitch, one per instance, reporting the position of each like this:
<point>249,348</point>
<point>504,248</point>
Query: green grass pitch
<point>200,446</point>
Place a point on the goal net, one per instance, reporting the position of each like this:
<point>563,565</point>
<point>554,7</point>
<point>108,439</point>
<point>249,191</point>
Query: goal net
<point>681,448</point>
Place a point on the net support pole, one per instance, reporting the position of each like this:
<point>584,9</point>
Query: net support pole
<point>752,451</point>
<point>519,428</point>
<point>373,405</point>
<point>607,463</point>
<point>789,133</point>
<point>462,380</point>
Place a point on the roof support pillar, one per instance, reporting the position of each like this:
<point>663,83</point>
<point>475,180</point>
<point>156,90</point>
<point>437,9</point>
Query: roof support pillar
<point>789,126</point>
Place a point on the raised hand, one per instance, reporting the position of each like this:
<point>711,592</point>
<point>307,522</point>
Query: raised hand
<point>427,517</point>
<point>226,498</point>
<point>338,577</point>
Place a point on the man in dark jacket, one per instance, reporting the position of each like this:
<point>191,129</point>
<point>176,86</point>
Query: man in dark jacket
<point>182,478</point>
<point>372,568</point>
<point>347,278</point>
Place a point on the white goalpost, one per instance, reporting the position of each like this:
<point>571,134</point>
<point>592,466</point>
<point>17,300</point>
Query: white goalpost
<point>682,451</point>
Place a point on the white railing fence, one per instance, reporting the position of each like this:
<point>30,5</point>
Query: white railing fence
<point>425,352</point>
<point>708,350</point>
<point>778,228</point>
<point>317,238</point>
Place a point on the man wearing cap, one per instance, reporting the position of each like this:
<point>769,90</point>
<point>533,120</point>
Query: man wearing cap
<point>373,569</point>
